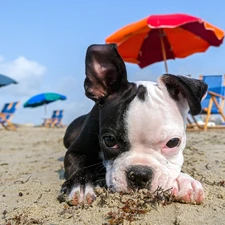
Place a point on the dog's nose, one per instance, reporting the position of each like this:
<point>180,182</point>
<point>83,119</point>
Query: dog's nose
<point>139,177</point>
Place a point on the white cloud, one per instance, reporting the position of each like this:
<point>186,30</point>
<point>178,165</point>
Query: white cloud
<point>30,76</point>
<point>1,58</point>
<point>26,72</point>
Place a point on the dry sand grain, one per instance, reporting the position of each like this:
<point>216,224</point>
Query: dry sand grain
<point>30,179</point>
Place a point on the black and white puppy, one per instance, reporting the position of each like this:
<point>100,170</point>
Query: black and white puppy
<point>134,136</point>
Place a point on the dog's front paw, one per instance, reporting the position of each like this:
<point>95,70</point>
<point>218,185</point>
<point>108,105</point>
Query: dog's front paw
<point>187,189</point>
<point>77,194</point>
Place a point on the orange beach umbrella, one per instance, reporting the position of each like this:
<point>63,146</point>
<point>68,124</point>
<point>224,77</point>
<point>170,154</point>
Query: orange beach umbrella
<point>160,37</point>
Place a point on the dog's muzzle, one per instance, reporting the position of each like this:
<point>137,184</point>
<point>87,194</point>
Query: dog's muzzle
<point>139,177</point>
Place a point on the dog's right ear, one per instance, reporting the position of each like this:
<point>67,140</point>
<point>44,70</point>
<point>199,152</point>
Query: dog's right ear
<point>181,87</point>
<point>105,72</point>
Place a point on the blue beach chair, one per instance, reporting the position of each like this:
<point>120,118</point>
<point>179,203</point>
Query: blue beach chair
<point>7,113</point>
<point>213,104</point>
<point>55,120</point>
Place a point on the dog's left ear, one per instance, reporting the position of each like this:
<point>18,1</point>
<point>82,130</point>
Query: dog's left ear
<point>105,72</point>
<point>191,89</point>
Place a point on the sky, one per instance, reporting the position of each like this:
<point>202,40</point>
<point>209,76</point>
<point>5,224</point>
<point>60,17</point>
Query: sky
<point>43,45</point>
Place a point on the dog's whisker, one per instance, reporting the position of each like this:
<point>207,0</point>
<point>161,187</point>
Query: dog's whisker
<point>92,165</point>
<point>98,172</point>
<point>103,179</point>
<point>100,166</point>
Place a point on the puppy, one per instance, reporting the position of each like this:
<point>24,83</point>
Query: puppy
<point>134,136</point>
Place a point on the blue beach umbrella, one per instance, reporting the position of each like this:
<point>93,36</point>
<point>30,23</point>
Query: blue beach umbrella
<point>5,80</point>
<point>43,99</point>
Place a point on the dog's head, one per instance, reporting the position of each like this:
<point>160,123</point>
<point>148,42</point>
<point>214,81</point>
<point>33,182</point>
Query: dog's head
<point>142,125</point>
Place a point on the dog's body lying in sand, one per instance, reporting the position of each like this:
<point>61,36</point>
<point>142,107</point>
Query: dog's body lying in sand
<point>136,130</point>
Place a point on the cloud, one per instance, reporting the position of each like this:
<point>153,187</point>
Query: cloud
<point>26,72</point>
<point>29,75</point>
<point>1,58</point>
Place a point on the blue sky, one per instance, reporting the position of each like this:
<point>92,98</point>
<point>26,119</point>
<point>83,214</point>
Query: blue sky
<point>43,45</point>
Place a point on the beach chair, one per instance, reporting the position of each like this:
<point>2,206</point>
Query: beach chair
<point>213,104</point>
<point>7,113</point>
<point>55,120</point>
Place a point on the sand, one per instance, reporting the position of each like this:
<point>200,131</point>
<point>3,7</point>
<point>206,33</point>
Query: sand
<point>31,176</point>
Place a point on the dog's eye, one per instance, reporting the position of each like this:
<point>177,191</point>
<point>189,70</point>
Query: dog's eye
<point>174,142</point>
<point>110,141</point>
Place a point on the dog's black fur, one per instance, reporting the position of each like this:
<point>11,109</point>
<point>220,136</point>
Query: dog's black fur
<point>106,83</point>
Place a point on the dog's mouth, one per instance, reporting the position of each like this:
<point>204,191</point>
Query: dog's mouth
<point>138,185</point>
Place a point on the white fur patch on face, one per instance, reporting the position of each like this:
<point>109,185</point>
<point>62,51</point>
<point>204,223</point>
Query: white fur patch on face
<point>150,125</point>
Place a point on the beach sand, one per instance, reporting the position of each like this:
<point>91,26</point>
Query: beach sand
<point>31,170</point>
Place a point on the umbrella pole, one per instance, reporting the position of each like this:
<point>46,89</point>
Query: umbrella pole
<point>163,50</point>
<point>45,109</point>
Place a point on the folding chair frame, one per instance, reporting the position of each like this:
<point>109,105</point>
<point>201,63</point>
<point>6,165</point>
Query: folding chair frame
<point>208,110</point>
<point>6,122</point>
<point>53,122</point>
